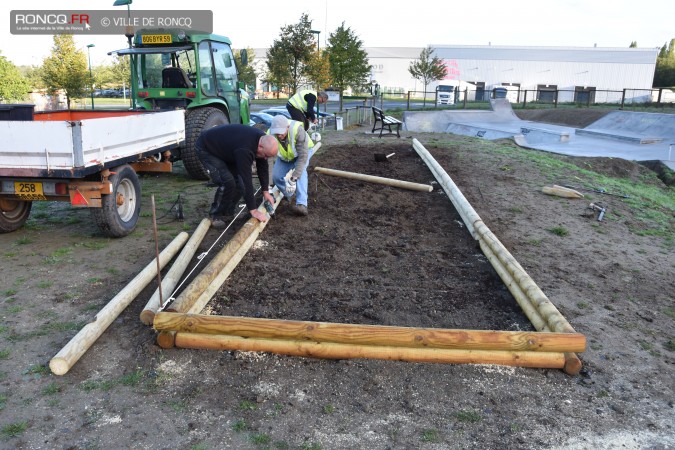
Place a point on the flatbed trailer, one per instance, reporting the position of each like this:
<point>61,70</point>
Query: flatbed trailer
<point>88,158</point>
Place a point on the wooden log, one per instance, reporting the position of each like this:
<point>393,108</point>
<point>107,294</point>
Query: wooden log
<point>61,363</point>
<point>554,319</point>
<point>374,179</point>
<point>572,364</point>
<point>175,273</point>
<point>198,293</point>
<point>166,339</point>
<point>521,298</point>
<point>373,335</point>
<point>534,303</point>
<point>333,350</point>
<point>560,191</point>
<point>462,205</point>
<point>225,272</point>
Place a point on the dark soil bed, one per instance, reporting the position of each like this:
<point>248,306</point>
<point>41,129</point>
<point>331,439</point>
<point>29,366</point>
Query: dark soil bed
<point>372,254</point>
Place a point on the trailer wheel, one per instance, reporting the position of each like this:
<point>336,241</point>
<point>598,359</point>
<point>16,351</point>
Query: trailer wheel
<point>120,210</point>
<point>196,121</point>
<point>13,214</point>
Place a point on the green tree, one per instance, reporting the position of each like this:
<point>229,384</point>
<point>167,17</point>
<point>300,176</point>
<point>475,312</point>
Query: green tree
<point>427,68</point>
<point>66,68</point>
<point>120,71</point>
<point>34,76</point>
<point>664,74</point>
<point>277,73</point>
<point>290,53</point>
<point>670,53</point>
<point>349,65</point>
<point>116,75</point>
<point>633,44</point>
<point>318,70</point>
<point>13,86</point>
<point>246,72</point>
<point>662,52</point>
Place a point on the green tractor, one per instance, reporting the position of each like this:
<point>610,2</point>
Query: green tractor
<point>175,69</point>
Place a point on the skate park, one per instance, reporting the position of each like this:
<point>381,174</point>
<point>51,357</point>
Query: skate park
<point>634,136</point>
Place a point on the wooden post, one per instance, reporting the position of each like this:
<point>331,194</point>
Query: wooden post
<point>374,179</point>
<point>176,272</point>
<point>530,311</point>
<point>78,345</point>
<point>154,233</point>
<point>333,350</point>
<point>209,280</point>
<point>166,339</point>
<point>227,269</point>
<point>377,335</point>
<point>555,320</point>
<point>547,316</point>
<point>461,204</point>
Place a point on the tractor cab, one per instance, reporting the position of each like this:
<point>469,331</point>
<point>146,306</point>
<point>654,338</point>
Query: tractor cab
<point>195,71</point>
<point>174,69</point>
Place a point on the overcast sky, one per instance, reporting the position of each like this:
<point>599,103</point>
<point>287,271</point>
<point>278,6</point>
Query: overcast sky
<point>255,24</point>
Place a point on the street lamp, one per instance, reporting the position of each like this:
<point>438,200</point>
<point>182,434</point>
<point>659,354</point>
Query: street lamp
<point>91,76</point>
<point>129,33</point>
<point>317,32</point>
<point>317,38</point>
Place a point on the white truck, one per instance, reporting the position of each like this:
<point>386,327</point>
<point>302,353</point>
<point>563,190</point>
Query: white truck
<point>449,92</point>
<point>88,158</point>
<point>510,93</point>
<point>446,91</point>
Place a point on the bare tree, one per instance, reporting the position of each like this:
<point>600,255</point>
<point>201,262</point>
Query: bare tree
<point>427,68</point>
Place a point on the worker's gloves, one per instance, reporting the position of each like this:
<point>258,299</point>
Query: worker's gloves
<point>316,137</point>
<point>290,185</point>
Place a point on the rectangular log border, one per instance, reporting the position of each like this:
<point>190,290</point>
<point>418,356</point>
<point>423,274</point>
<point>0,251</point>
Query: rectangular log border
<point>553,345</point>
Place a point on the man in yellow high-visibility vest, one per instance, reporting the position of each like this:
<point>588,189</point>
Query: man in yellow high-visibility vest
<point>301,106</point>
<point>294,152</point>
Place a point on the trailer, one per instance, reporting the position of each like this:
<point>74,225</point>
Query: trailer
<point>87,158</point>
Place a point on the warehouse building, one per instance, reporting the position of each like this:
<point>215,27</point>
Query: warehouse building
<point>564,74</point>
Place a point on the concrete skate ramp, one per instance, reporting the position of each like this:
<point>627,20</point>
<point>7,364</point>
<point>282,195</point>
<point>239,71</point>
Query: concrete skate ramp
<point>501,116</point>
<point>633,136</point>
<point>641,128</point>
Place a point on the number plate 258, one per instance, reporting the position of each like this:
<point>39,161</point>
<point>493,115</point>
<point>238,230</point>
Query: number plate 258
<point>29,191</point>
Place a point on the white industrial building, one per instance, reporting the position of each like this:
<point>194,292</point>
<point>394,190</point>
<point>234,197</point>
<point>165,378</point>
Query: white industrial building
<point>568,73</point>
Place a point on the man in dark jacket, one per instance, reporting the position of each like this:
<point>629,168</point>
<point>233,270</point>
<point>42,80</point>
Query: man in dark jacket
<point>227,152</point>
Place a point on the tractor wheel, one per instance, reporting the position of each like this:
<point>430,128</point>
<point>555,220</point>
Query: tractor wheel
<point>13,214</point>
<point>196,121</point>
<point>120,210</point>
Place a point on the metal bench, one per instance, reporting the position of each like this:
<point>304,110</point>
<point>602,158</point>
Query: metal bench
<point>385,121</point>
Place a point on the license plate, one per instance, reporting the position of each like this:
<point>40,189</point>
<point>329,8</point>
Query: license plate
<point>29,191</point>
<point>156,39</point>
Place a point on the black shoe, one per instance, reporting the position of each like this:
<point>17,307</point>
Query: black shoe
<point>218,224</point>
<point>300,210</point>
<point>221,222</point>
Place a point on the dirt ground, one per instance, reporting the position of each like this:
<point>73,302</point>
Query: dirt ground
<point>366,254</point>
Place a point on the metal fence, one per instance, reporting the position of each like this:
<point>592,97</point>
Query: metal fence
<point>543,96</point>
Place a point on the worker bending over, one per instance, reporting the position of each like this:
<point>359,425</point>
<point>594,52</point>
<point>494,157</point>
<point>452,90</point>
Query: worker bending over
<point>301,106</point>
<point>227,152</point>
